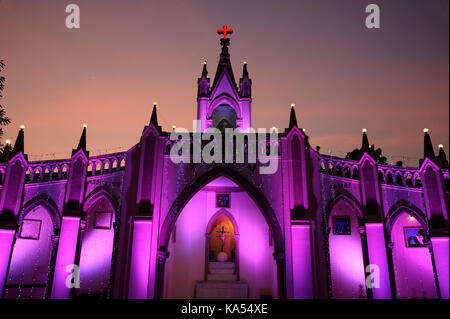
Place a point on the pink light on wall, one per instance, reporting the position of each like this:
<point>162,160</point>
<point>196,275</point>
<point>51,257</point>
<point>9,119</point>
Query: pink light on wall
<point>140,259</point>
<point>440,252</point>
<point>413,269</point>
<point>346,256</point>
<point>301,262</point>
<point>6,240</point>
<point>377,256</point>
<point>96,248</point>
<point>66,256</point>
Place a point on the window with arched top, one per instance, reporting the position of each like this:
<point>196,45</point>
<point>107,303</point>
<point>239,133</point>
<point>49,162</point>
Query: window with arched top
<point>418,182</point>
<point>224,116</point>
<point>64,172</point>
<point>398,179</point>
<point>89,170</point>
<point>106,167</point>
<point>37,175</point>
<point>98,168</point>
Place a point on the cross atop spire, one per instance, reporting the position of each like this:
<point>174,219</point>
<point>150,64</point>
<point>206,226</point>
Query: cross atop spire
<point>224,31</point>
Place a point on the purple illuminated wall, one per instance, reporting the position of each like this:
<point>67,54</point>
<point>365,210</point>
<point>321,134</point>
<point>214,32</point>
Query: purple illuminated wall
<point>413,268</point>
<point>31,258</point>
<point>346,257</point>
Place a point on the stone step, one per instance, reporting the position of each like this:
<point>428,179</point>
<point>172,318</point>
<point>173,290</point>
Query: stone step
<point>221,265</point>
<point>221,270</point>
<point>221,277</point>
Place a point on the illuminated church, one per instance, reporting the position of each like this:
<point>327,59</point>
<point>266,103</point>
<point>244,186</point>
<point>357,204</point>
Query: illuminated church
<point>137,225</point>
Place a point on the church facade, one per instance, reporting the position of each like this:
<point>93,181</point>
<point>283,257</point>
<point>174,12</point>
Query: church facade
<point>136,224</point>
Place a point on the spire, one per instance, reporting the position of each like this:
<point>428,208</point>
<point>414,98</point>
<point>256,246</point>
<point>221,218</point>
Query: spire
<point>245,83</point>
<point>203,82</point>
<point>442,157</point>
<point>82,142</point>
<point>20,142</point>
<point>428,146</point>
<point>224,61</point>
<point>154,117</point>
<point>204,71</point>
<point>292,118</point>
<point>244,70</point>
<point>365,142</point>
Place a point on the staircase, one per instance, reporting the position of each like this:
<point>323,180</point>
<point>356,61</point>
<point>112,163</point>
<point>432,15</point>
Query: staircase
<point>221,283</point>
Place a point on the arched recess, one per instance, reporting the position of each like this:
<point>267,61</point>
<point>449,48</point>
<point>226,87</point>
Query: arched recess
<point>224,98</point>
<point>209,230</point>
<point>346,249</point>
<point>187,194</point>
<point>97,241</point>
<point>32,260</point>
<point>408,238</point>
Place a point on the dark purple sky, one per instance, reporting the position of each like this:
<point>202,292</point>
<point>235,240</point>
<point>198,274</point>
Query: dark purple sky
<point>317,54</point>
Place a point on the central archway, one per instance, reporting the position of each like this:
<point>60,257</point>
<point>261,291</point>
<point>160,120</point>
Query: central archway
<point>186,195</point>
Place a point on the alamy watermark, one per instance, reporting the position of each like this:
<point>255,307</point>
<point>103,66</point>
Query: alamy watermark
<point>230,146</point>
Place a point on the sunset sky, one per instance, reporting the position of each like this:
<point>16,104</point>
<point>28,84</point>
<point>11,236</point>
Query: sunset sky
<point>317,54</point>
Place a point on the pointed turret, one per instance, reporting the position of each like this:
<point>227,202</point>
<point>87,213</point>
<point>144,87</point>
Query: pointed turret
<point>154,117</point>
<point>82,142</point>
<point>292,118</point>
<point>442,157</point>
<point>203,83</point>
<point>20,142</point>
<point>245,83</point>
<point>428,146</point>
<point>365,147</point>
<point>224,63</point>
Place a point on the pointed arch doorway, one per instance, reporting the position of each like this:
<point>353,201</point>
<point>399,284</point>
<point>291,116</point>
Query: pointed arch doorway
<point>257,223</point>
<point>222,244</point>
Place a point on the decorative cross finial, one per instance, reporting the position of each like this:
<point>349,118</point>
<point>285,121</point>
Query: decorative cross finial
<point>224,31</point>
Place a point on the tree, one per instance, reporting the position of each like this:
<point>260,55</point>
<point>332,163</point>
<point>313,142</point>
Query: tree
<point>4,120</point>
<point>377,155</point>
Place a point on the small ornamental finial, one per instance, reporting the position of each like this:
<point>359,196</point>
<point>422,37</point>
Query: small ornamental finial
<point>224,31</point>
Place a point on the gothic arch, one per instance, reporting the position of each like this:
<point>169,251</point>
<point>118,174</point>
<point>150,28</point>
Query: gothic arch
<point>225,212</point>
<point>185,196</point>
<point>226,99</point>
<point>349,199</point>
<point>399,208</point>
<point>48,203</point>
<point>98,193</point>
